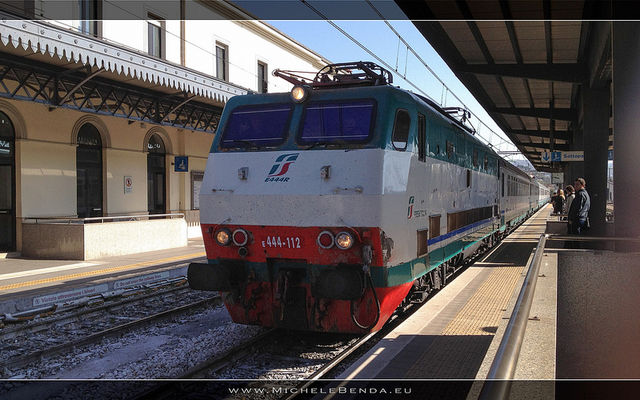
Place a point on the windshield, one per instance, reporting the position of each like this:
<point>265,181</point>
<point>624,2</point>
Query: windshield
<point>257,126</point>
<point>338,122</point>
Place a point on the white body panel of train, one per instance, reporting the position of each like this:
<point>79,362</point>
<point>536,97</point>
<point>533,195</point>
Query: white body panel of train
<point>365,188</point>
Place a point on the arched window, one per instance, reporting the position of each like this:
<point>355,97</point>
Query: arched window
<point>156,176</point>
<point>89,172</point>
<point>155,144</point>
<point>89,136</point>
<point>7,185</point>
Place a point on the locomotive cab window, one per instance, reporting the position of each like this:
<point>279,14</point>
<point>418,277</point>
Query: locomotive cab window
<point>338,122</point>
<point>256,126</point>
<point>401,130</point>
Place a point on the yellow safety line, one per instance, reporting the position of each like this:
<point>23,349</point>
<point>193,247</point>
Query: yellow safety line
<point>99,272</point>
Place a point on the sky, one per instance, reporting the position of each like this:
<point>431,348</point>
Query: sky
<point>321,37</point>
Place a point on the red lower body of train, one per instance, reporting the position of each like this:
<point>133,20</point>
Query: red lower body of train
<point>294,277</point>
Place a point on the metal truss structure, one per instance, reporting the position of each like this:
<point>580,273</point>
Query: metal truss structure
<point>84,90</point>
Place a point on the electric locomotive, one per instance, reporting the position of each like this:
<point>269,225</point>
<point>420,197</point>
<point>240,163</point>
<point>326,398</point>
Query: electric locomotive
<point>328,207</point>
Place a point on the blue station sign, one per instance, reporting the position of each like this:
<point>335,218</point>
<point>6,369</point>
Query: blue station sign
<point>181,164</point>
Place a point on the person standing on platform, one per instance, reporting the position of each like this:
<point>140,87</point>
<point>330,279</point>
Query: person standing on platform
<point>578,216</point>
<point>570,191</point>
<point>558,202</point>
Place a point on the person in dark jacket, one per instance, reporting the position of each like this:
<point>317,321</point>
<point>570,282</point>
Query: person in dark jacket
<point>579,211</point>
<point>558,202</point>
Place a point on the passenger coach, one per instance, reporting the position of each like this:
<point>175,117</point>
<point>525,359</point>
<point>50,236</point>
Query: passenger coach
<point>328,207</point>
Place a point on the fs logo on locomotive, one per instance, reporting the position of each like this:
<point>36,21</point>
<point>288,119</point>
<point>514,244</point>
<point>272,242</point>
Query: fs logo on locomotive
<point>281,167</point>
<point>410,210</point>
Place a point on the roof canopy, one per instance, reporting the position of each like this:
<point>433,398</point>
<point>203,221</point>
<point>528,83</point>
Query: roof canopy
<point>525,62</point>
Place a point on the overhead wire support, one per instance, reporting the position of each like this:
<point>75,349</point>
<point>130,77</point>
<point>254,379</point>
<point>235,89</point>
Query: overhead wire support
<point>363,47</point>
<point>409,48</point>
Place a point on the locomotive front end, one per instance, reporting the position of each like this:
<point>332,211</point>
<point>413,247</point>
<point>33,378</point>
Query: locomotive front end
<point>290,210</point>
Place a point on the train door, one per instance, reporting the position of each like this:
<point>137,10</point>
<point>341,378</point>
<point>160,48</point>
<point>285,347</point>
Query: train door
<point>503,201</point>
<point>7,185</point>
<point>422,138</point>
<point>156,175</point>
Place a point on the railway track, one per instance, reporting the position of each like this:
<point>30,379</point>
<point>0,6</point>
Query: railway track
<point>30,342</point>
<point>294,359</point>
<point>274,356</point>
<point>39,319</point>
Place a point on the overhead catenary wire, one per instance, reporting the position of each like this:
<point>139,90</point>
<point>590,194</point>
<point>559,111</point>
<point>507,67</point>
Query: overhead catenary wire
<point>409,48</point>
<point>424,63</point>
<point>368,51</point>
<point>362,46</point>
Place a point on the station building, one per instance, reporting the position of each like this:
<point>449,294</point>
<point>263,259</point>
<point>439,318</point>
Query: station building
<point>106,122</point>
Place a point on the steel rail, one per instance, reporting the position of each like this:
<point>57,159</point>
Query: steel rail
<point>34,319</point>
<point>110,332</point>
<point>225,359</point>
<point>167,388</point>
<point>26,321</point>
<point>328,367</point>
<point>502,371</point>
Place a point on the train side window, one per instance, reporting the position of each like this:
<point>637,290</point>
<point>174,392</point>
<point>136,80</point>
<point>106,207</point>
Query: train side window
<point>422,138</point>
<point>475,158</point>
<point>423,244</point>
<point>434,226</point>
<point>401,130</point>
<point>450,149</point>
<point>503,184</point>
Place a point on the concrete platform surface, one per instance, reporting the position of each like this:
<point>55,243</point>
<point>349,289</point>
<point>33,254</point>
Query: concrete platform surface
<point>26,284</point>
<point>448,337</point>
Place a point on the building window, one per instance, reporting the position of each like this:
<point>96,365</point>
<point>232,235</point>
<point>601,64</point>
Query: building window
<point>156,36</point>
<point>7,185</point>
<point>196,183</point>
<point>262,77</point>
<point>222,61</point>
<point>89,15</point>
<point>156,175</point>
<point>89,172</point>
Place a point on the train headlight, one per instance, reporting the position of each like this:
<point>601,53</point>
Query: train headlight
<point>223,237</point>
<point>240,237</point>
<point>344,240</point>
<point>325,240</point>
<point>298,94</point>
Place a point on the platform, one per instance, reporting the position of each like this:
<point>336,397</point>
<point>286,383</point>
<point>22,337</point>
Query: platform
<point>450,336</point>
<point>26,284</point>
